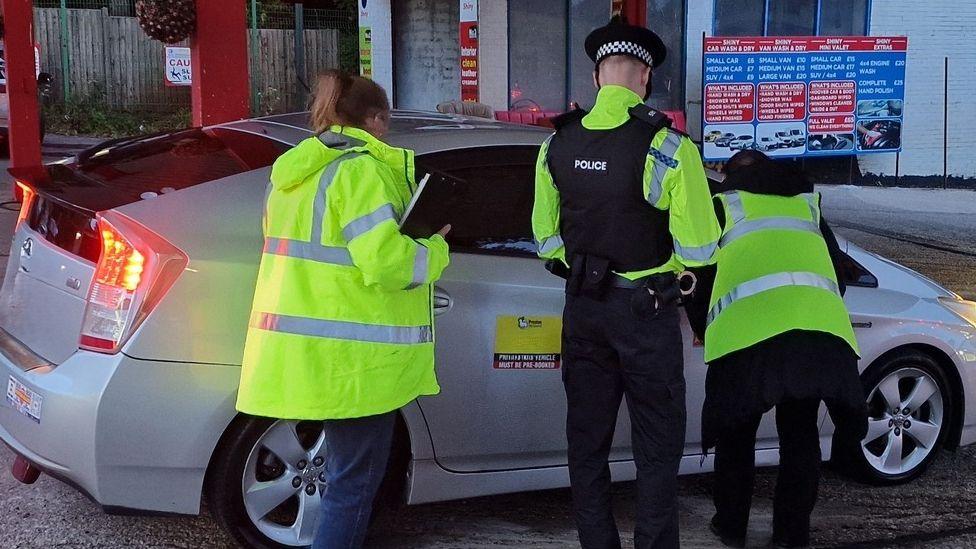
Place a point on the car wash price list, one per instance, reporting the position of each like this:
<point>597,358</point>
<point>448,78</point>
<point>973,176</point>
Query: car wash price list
<point>803,96</point>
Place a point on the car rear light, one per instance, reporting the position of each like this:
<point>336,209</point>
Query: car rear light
<point>134,271</point>
<point>27,197</point>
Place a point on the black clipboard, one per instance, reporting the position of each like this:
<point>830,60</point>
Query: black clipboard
<point>430,209</point>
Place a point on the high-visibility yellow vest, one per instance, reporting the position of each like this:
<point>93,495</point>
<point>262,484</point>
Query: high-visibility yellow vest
<point>774,274</point>
<point>342,319</point>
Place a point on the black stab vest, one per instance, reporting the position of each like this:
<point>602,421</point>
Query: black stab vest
<point>603,210</point>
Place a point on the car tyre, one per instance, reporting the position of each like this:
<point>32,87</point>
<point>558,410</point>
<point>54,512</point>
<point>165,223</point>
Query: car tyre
<point>235,457</point>
<point>224,493</point>
<point>901,443</point>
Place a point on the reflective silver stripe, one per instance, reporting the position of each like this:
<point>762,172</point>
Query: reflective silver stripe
<point>696,253</point>
<point>734,202</point>
<point>550,244</point>
<point>318,207</point>
<point>419,267</point>
<point>545,159</point>
<point>739,230</point>
<point>307,250</point>
<point>336,329</point>
<point>359,226</point>
<point>813,200</point>
<point>770,282</point>
<point>663,159</point>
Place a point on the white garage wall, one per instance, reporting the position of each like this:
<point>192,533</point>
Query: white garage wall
<point>942,28</point>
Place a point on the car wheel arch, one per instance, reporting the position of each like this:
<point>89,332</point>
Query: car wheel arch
<point>402,453</point>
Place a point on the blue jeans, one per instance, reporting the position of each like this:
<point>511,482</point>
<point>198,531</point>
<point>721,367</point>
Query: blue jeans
<point>356,454</point>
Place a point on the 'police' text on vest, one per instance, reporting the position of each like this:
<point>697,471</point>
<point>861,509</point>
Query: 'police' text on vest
<point>590,166</point>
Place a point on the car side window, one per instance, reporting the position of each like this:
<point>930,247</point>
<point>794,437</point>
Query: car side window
<point>493,211</point>
<point>854,274</point>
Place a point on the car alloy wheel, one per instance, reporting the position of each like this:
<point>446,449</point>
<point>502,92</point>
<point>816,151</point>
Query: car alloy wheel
<point>906,418</point>
<point>282,482</point>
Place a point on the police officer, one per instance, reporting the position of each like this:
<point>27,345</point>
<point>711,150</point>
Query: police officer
<point>622,203</point>
<point>778,334</point>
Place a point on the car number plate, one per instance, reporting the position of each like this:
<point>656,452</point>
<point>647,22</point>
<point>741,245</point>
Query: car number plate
<point>23,399</point>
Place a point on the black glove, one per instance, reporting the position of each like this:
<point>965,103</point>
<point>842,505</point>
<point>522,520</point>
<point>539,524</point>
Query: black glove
<point>696,304</point>
<point>558,268</point>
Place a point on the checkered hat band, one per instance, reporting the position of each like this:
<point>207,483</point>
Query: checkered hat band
<point>630,48</point>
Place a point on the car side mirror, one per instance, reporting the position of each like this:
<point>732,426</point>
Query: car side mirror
<point>45,79</point>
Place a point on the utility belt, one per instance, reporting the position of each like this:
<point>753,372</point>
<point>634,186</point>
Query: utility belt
<point>593,277</point>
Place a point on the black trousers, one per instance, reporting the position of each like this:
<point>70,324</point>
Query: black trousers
<point>608,352</point>
<point>796,484</point>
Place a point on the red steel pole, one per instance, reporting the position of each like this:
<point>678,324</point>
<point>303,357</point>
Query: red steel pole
<point>221,89</point>
<point>24,118</point>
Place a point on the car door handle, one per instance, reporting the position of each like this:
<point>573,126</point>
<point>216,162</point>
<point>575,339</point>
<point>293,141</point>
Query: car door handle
<point>442,302</point>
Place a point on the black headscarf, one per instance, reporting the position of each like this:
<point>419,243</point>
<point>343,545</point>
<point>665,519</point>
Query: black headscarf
<point>754,172</point>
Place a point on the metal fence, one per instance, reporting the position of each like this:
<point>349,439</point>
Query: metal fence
<point>98,53</point>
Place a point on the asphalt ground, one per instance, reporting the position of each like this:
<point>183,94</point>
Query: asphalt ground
<point>937,510</point>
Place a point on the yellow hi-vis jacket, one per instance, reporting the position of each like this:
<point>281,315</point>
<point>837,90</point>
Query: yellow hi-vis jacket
<point>342,320</point>
<point>774,274</point>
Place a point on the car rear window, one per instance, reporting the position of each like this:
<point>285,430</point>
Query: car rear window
<point>178,160</point>
<point>121,172</point>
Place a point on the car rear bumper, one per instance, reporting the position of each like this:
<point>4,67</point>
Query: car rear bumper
<point>131,434</point>
<point>62,442</point>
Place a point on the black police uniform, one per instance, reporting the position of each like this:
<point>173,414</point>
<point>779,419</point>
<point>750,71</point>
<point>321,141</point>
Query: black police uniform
<point>614,344</point>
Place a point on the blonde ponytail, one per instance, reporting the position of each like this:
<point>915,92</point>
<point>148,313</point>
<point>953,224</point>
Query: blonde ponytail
<point>345,100</point>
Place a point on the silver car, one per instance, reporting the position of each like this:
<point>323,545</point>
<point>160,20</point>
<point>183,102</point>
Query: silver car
<point>127,294</point>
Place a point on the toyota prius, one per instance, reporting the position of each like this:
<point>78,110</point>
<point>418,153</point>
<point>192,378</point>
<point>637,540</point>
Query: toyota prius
<point>126,301</point>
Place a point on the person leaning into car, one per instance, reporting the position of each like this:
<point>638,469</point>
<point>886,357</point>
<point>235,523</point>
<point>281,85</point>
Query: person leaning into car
<point>341,327</point>
<point>622,201</point>
<point>776,333</point>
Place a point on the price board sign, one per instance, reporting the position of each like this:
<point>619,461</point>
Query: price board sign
<point>803,96</point>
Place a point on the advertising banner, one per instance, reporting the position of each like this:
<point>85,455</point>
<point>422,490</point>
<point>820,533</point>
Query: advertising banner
<point>365,52</point>
<point>469,50</point>
<point>178,72</point>
<point>803,96</point>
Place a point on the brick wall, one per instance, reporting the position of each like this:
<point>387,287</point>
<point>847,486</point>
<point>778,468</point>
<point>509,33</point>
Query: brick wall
<point>936,29</point>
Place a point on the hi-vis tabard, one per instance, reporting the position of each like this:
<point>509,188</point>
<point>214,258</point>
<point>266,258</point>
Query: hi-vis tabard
<point>342,323</point>
<point>774,274</point>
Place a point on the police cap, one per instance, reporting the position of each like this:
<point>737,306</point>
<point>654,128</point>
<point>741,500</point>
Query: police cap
<point>619,38</point>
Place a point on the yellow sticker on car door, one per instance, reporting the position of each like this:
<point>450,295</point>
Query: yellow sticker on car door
<point>528,342</point>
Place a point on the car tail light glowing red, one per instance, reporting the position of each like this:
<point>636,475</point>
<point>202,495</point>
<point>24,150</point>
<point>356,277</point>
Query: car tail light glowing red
<point>120,264</point>
<point>27,195</point>
<point>135,269</point>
